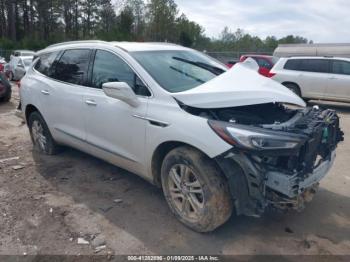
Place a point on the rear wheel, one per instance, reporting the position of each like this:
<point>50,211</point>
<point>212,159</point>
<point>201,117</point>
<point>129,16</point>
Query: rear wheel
<point>195,189</point>
<point>294,88</point>
<point>40,134</point>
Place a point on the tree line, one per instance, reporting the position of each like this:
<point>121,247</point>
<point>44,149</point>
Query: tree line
<point>34,24</point>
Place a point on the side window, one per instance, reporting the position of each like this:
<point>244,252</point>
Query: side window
<point>341,67</point>
<point>110,68</point>
<point>315,65</point>
<point>292,64</point>
<point>73,66</point>
<point>44,64</point>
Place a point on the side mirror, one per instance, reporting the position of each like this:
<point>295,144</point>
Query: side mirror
<point>121,91</point>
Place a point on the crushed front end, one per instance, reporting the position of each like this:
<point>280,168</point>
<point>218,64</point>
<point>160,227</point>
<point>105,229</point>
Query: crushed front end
<point>276,163</point>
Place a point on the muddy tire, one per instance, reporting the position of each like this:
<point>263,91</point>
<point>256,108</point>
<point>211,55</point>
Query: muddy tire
<point>195,189</point>
<point>40,135</point>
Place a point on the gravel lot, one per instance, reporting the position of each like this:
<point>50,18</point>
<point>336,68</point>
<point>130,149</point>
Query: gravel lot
<point>48,203</point>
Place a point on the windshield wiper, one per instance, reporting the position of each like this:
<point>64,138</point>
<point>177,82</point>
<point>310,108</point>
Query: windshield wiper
<point>213,69</point>
<point>188,75</point>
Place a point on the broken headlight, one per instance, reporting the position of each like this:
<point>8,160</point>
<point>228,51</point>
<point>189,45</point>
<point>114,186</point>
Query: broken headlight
<point>253,138</point>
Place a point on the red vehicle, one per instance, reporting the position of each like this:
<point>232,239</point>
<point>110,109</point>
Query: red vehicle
<point>265,63</point>
<point>2,64</point>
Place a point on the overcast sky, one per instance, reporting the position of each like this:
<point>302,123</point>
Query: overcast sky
<point>318,20</point>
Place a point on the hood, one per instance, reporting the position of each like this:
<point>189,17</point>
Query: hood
<point>239,86</point>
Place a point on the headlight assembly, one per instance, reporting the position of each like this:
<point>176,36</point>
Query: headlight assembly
<point>253,139</point>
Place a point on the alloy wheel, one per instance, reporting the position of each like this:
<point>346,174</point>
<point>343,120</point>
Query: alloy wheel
<point>38,135</point>
<point>186,192</point>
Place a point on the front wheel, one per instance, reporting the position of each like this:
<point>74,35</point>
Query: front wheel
<point>195,190</point>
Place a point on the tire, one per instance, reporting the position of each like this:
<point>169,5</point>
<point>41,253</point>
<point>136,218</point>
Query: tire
<point>40,135</point>
<point>294,88</point>
<point>209,205</point>
<point>7,97</point>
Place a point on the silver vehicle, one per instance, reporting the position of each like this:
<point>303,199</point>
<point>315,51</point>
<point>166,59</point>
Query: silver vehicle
<point>324,78</point>
<point>19,63</point>
<point>215,140</point>
<point>17,53</point>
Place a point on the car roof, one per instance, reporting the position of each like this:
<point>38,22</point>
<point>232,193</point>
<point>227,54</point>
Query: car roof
<point>126,46</point>
<point>147,46</point>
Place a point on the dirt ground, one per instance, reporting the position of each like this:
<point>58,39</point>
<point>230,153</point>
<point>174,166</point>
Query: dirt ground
<point>48,203</point>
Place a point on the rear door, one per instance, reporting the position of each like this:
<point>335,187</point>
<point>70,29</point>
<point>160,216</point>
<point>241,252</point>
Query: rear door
<point>313,77</point>
<point>62,93</point>
<point>339,81</point>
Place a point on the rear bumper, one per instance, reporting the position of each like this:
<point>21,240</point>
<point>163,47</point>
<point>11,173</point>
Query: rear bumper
<point>292,186</point>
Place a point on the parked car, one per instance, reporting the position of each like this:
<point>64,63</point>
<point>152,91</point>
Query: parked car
<point>5,88</point>
<point>325,78</point>
<point>18,67</point>
<point>215,140</point>
<point>17,53</point>
<point>231,63</point>
<point>2,64</point>
<point>265,63</point>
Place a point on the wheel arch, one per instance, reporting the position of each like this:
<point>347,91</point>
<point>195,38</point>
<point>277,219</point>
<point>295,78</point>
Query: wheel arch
<point>30,109</point>
<point>159,154</point>
<point>293,83</point>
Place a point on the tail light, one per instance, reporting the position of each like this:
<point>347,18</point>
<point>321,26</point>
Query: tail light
<point>269,74</point>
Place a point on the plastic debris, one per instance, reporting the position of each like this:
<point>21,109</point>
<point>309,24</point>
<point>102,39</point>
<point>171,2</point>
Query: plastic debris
<point>82,241</point>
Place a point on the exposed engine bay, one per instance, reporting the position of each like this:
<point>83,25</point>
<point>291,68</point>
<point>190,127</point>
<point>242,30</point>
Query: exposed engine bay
<point>255,115</point>
<point>283,152</point>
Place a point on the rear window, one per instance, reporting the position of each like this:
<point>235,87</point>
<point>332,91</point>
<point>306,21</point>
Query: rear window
<point>44,64</point>
<point>309,65</point>
<point>263,62</point>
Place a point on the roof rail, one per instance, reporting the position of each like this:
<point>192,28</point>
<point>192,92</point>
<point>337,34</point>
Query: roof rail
<point>78,42</point>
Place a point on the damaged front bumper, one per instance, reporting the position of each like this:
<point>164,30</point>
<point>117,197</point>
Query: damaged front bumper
<point>293,185</point>
<point>281,179</point>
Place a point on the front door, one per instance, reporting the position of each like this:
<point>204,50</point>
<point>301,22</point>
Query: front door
<point>114,127</point>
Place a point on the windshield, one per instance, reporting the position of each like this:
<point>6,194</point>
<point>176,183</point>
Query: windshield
<point>179,70</point>
<point>27,61</point>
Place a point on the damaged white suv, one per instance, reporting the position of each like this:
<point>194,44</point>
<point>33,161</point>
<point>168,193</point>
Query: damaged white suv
<point>215,140</point>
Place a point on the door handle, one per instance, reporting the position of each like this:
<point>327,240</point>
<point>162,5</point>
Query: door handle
<point>91,102</point>
<point>45,92</point>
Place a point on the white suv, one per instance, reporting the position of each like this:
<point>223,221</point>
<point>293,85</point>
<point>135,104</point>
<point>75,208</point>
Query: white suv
<point>325,78</point>
<point>214,140</point>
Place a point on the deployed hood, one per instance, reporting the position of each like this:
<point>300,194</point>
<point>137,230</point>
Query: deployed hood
<point>239,86</point>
